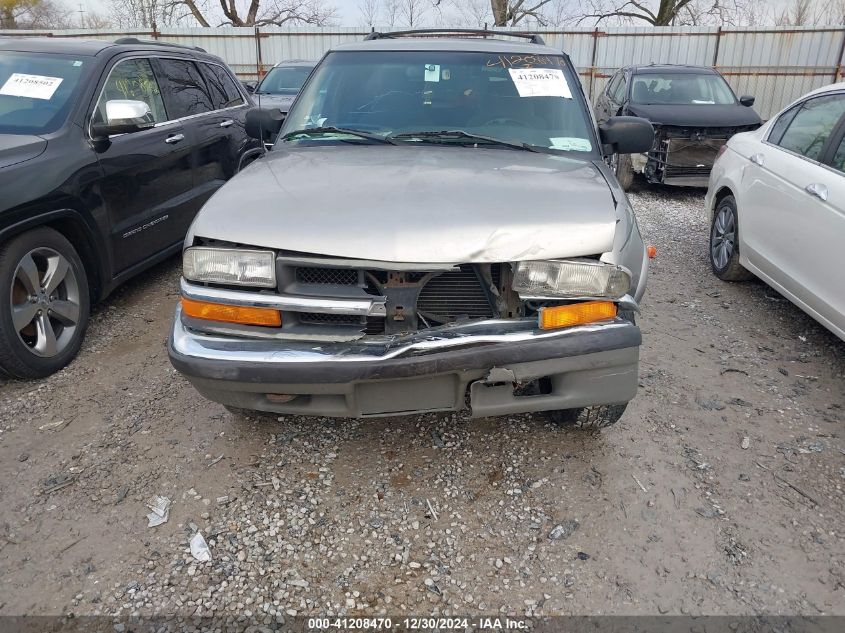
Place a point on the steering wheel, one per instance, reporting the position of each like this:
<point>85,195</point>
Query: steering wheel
<point>506,121</point>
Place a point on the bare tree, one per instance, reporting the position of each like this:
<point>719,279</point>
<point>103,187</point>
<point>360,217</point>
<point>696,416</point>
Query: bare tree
<point>96,20</point>
<point>797,13</point>
<point>512,12</point>
<point>666,12</point>
<point>391,12</point>
<point>471,13</point>
<point>147,13</point>
<point>412,12</point>
<point>834,12</point>
<point>33,14</point>
<point>369,11</point>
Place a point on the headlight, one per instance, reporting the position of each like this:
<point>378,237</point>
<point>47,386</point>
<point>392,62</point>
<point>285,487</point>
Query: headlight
<point>570,279</point>
<point>230,266</point>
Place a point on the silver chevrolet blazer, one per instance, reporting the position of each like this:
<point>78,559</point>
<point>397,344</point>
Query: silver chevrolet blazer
<point>434,228</point>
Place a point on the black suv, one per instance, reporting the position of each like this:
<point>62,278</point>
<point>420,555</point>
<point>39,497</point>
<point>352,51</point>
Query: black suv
<point>107,151</point>
<point>694,112</point>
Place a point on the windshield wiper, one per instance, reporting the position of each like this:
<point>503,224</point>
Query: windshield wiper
<point>329,129</point>
<point>461,134</point>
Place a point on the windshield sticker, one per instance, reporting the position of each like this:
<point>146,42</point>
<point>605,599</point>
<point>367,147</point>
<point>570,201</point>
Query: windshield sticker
<point>540,82</point>
<point>571,143</point>
<point>432,72</point>
<point>32,86</point>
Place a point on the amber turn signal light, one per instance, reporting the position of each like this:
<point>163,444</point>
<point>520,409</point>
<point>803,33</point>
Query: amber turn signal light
<point>576,314</point>
<point>231,314</point>
<point>652,251</point>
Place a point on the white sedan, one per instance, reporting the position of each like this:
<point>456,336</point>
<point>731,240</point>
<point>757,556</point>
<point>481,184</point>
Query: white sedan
<point>776,204</point>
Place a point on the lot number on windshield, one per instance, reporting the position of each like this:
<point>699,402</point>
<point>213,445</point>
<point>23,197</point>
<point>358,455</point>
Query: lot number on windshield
<point>540,82</point>
<point>32,86</point>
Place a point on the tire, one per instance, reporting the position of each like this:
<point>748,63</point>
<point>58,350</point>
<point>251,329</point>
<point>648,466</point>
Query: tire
<point>624,171</point>
<point>597,417</point>
<point>723,247</point>
<point>42,276</point>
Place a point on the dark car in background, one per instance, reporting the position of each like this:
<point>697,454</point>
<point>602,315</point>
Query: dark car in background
<point>694,112</point>
<point>107,151</point>
<point>280,86</point>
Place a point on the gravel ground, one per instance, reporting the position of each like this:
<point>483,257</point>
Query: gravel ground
<point>719,492</point>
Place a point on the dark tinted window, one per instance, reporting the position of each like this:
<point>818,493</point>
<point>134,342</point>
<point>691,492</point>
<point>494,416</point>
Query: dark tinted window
<point>186,88</point>
<point>37,91</point>
<point>224,91</point>
<point>812,124</point>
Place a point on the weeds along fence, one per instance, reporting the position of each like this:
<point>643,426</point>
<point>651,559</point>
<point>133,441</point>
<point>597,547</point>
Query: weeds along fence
<point>776,65</point>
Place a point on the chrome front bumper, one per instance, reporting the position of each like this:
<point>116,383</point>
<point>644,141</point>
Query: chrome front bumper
<point>426,371</point>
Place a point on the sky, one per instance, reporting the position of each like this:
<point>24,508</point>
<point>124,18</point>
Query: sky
<point>347,11</point>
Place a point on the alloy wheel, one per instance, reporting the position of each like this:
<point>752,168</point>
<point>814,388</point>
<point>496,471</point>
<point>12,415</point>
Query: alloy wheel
<point>723,237</point>
<point>45,302</point>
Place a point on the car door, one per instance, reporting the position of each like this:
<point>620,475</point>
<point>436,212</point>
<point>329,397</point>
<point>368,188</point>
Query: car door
<point>147,174</point>
<point>230,116</point>
<point>789,229</point>
<point>189,97</point>
<point>603,105</point>
<point>830,190</point>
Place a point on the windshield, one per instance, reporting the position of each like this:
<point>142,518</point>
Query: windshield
<point>681,89</point>
<point>36,91</point>
<point>284,80</point>
<point>526,100</point>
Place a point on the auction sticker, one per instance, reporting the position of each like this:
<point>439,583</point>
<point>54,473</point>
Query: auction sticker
<point>540,82</point>
<point>32,86</point>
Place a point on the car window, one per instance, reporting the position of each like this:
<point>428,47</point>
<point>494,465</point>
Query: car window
<point>614,84</point>
<point>812,124</point>
<point>681,89</point>
<point>779,126</point>
<point>619,94</point>
<point>497,95</point>
<point>224,91</point>
<point>132,79</point>
<point>186,88</point>
<point>37,90</point>
<point>284,80</point>
<point>838,161</point>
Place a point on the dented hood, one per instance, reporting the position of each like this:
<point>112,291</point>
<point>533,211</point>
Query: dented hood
<point>422,204</point>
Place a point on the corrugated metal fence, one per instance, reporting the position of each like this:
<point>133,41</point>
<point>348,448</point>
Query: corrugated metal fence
<point>776,65</point>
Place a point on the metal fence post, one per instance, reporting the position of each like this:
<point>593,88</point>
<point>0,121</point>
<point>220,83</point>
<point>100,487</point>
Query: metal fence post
<point>593,61</point>
<point>716,51</point>
<point>838,70</point>
<point>259,63</point>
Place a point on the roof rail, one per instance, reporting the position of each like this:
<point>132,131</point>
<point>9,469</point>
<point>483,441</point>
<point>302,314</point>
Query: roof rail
<point>135,40</point>
<point>533,37</point>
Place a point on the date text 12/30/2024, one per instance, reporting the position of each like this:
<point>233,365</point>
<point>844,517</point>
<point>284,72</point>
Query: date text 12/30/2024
<point>416,624</point>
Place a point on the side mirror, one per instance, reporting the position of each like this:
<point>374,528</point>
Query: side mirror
<point>249,86</point>
<point>746,100</point>
<point>626,135</point>
<point>263,124</point>
<point>124,116</point>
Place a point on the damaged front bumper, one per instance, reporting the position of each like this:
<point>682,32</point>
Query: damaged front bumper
<point>489,362</point>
